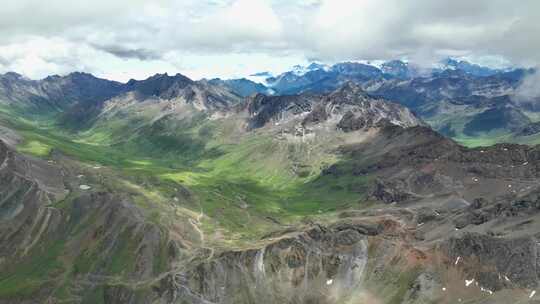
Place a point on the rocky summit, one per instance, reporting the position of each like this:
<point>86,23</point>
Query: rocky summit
<point>335,184</point>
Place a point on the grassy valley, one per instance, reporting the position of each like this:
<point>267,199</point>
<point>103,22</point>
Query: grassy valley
<point>243,184</point>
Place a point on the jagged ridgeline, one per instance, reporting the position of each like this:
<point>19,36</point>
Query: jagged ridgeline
<point>169,190</point>
<point>472,104</point>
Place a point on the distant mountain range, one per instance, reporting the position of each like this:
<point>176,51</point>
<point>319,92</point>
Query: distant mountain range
<point>458,98</point>
<point>318,77</point>
<point>160,112</point>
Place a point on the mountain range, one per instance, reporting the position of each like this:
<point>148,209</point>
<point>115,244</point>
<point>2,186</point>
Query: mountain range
<point>452,96</point>
<point>349,183</point>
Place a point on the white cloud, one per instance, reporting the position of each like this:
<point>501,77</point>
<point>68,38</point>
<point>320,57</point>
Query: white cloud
<point>251,18</point>
<point>349,29</point>
<point>134,37</point>
<point>530,87</point>
<point>373,29</point>
<point>37,57</point>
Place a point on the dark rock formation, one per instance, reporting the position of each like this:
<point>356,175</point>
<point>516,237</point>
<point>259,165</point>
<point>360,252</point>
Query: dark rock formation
<point>489,259</point>
<point>390,192</point>
<point>353,108</point>
<point>530,129</point>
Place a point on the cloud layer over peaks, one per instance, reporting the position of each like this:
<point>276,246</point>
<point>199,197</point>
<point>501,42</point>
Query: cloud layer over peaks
<point>134,38</point>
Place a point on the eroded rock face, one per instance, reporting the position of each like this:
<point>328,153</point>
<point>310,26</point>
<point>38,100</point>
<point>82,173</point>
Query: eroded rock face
<point>390,192</point>
<point>103,234</point>
<point>482,211</point>
<point>262,109</point>
<point>348,109</point>
<point>496,262</point>
<point>321,265</point>
<point>418,163</point>
<point>26,186</point>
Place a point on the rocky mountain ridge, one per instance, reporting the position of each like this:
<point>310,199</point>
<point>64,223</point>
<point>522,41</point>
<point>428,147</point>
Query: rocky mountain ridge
<point>452,97</point>
<point>349,109</point>
<point>85,90</point>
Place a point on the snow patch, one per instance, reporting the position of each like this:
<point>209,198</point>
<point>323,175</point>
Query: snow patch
<point>486,290</point>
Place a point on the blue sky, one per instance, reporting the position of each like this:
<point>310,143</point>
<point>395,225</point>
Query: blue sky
<point>125,39</point>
